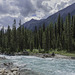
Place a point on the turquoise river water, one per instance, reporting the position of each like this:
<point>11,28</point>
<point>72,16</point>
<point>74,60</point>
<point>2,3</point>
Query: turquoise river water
<point>43,66</point>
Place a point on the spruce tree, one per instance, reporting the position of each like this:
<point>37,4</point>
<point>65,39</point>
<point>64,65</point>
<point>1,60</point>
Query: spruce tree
<point>8,37</point>
<point>47,39</point>
<point>58,23</point>
<point>74,27</point>
<point>43,27</point>
<point>14,37</point>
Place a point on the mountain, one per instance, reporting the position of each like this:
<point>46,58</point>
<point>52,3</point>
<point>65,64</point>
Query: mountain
<point>32,23</point>
<point>53,18</point>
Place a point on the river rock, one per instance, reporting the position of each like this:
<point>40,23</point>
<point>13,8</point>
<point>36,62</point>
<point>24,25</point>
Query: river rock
<point>9,69</point>
<point>15,73</point>
<point>10,73</point>
<point>14,69</point>
<point>72,57</point>
<point>2,58</point>
<point>29,72</point>
<point>46,55</point>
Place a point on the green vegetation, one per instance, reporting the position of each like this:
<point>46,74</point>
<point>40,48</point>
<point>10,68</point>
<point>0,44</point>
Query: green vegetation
<point>59,35</point>
<point>63,52</point>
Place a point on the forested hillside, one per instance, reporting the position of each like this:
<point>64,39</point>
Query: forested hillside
<point>59,35</point>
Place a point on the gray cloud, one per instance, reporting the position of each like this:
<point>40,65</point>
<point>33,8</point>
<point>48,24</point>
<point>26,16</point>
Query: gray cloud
<point>60,6</point>
<point>43,7</point>
<point>72,1</point>
<point>3,10</point>
<point>8,8</point>
<point>5,21</point>
<point>25,7</point>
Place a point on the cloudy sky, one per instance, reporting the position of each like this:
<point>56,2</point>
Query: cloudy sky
<point>28,9</point>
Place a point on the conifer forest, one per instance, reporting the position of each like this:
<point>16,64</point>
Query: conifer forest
<point>59,35</point>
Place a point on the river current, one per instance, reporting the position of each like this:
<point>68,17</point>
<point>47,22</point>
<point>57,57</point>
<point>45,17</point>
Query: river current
<point>43,66</point>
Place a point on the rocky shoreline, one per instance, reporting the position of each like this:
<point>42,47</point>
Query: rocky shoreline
<point>2,58</point>
<point>41,55</point>
<point>10,69</point>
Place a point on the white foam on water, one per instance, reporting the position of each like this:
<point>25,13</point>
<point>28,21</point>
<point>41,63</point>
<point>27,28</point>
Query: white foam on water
<point>2,55</point>
<point>28,56</point>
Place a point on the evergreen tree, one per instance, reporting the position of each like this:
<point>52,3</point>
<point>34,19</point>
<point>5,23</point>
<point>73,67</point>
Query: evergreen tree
<point>51,35</point>
<point>1,35</point>
<point>69,32</point>
<point>58,23</point>
<point>43,27</point>
<point>35,38</point>
<point>13,42</point>
<point>8,37</point>
<point>44,41</point>
<point>74,27</point>
<point>31,46</point>
<point>47,40</point>
<point>55,36</point>
<point>25,39</point>
<point>3,38</point>
<point>40,32</point>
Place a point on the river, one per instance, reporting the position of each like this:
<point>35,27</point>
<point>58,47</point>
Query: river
<point>43,66</point>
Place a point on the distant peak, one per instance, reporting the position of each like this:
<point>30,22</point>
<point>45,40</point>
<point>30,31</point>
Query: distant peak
<point>32,19</point>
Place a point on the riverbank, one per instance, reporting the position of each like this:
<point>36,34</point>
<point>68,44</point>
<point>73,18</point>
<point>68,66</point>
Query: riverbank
<point>47,55</point>
<point>43,55</point>
<point>63,54</point>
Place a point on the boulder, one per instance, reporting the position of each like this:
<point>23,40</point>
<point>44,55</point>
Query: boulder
<point>72,57</point>
<point>46,55</point>
<point>2,58</point>
<point>16,73</point>
<point>14,69</point>
<point>53,54</point>
<point>25,52</point>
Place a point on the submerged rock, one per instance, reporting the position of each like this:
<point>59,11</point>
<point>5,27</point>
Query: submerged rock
<point>29,72</point>
<point>14,69</point>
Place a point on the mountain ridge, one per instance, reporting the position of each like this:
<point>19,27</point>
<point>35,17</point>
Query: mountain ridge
<point>53,18</point>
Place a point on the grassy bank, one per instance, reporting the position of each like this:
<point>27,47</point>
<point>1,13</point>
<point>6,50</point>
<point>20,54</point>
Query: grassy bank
<point>72,54</point>
<point>62,52</point>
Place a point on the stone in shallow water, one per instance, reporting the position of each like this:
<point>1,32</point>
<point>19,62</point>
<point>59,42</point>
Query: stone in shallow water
<point>14,69</point>
<point>16,73</point>
<point>2,58</point>
<point>29,73</point>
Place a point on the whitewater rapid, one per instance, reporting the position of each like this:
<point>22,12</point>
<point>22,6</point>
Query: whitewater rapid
<point>43,66</point>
